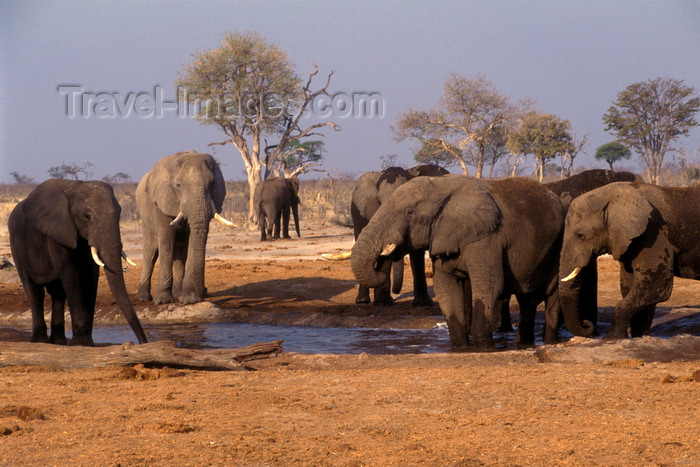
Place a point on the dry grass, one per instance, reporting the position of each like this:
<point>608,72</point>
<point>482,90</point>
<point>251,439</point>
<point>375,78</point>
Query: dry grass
<point>323,201</point>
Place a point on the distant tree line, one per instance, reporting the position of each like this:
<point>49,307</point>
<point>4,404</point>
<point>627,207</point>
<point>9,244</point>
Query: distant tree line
<point>475,125</point>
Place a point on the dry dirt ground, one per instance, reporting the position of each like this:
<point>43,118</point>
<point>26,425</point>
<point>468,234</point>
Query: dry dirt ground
<point>580,403</point>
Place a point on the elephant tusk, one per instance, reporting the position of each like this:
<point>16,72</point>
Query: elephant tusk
<point>96,257</point>
<point>128,260</point>
<point>223,220</point>
<point>389,249</point>
<point>573,274</point>
<point>178,218</point>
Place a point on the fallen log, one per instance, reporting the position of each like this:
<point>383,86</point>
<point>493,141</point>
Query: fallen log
<point>164,353</point>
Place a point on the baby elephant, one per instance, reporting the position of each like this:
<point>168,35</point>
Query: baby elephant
<point>273,199</point>
<point>60,236</point>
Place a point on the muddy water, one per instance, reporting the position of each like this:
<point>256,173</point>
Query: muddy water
<point>305,339</point>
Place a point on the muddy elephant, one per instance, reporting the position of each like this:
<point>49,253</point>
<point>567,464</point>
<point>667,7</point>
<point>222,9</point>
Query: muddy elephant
<point>60,236</point>
<point>568,189</point>
<point>654,233</point>
<point>273,199</point>
<point>486,239</point>
<point>176,200</point>
<point>369,192</point>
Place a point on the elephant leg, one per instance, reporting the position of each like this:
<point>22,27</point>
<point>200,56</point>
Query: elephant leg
<point>362,295</point>
<point>150,255</point>
<point>179,260</point>
<point>164,287</point>
<point>382,295</point>
<point>525,337</point>
<point>81,313</point>
<point>640,323</point>
<point>285,222</point>
<point>58,306</point>
<point>504,322</point>
<point>485,291</point>
<point>641,292</point>
<point>420,284</point>
<point>276,225</point>
<point>454,298</point>
<point>35,295</point>
<point>261,224</point>
<point>588,298</point>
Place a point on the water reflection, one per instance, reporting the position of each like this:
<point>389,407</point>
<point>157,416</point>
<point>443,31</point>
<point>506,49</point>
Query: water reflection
<point>304,339</point>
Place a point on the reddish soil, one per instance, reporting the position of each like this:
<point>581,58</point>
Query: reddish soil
<point>583,403</point>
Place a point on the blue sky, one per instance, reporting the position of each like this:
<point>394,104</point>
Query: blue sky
<point>570,57</point>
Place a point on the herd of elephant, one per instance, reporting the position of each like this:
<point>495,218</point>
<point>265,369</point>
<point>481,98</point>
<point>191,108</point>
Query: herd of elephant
<point>487,239</point>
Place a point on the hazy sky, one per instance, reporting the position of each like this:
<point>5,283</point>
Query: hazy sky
<point>570,57</point>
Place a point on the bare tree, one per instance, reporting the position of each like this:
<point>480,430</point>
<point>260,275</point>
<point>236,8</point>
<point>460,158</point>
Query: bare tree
<point>248,88</point>
<point>21,179</point>
<point>470,114</point>
<point>75,171</point>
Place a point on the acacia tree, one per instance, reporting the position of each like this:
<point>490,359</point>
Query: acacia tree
<point>433,152</point>
<point>302,157</point>
<point>612,152</point>
<point>648,116</point>
<point>545,136</point>
<point>249,89</point>
<point>74,171</point>
<point>471,112</point>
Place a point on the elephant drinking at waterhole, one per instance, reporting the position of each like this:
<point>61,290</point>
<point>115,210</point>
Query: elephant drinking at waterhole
<point>486,239</point>
<point>654,233</point>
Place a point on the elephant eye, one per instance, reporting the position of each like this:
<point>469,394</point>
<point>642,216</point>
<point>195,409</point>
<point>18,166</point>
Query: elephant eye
<point>87,216</point>
<point>409,212</point>
<point>580,235</point>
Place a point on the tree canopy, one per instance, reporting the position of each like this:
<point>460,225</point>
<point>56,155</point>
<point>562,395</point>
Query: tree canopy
<point>249,89</point>
<point>612,152</point>
<point>648,116</point>
<point>471,113</point>
<point>545,136</point>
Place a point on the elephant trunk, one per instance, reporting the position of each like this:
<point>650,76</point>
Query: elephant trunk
<point>397,276</point>
<point>571,300</point>
<point>199,214</point>
<point>372,256</point>
<point>115,279</point>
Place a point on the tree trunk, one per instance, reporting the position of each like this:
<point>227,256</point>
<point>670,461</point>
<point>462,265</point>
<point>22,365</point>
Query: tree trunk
<point>158,353</point>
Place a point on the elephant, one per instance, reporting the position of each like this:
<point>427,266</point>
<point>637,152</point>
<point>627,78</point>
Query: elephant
<point>568,189</point>
<point>369,192</point>
<point>60,236</point>
<point>486,239</point>
<point>652,231</point>
<point>273,199</point>
<point>176,200</point>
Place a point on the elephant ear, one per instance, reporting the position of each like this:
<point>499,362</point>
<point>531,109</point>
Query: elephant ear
<point>467,215</point>
<point>627,217</point>
<point>47,209</point>
<point>160,189</point>
<point>218,187</point>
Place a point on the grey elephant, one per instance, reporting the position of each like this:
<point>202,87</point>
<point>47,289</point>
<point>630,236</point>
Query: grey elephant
<point>60,236</point>
<point>568,189</point>
<point>176,200</point>
<point>485,238</point>
<point>273,199</point>
<point>654,233</point>
<point>370,190</point>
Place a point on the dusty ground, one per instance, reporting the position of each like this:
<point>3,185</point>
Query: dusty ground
<point>632,403</point>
